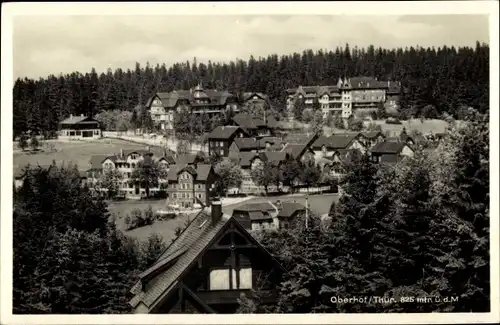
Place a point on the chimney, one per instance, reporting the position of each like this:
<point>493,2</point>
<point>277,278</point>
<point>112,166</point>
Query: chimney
<point>121,152</point>
<point>216,210</point>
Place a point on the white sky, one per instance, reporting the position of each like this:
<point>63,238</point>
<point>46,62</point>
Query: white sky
<point>46,45</point>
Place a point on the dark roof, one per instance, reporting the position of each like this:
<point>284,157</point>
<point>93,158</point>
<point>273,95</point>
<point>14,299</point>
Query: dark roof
<point>316,90</point>
<point>141,152</point>
<point>388,147</point>
<point>288,209</point>
<point>224,132</point>
<point>295,150</point>
<point>248,95</point>
<point>186,159</point>
<point>367,83</point>
<point>170,99</point>
<point>245,158</point>
<point>250,122</point>
<point>340,141</point>
<point>181,254</point>
<point>97,160</point>
<point>302,138</point>
<point>201,172</point>
<point>259,215</point>
<point>389,159</point>
<point>248,207</point>
<point>169,159</point>
<point>275,156</point>
<point>247,143</point>
<point>78,119</point>
<point>162,277</point>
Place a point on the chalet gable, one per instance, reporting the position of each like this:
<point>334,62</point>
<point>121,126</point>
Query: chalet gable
<point>208,252</point>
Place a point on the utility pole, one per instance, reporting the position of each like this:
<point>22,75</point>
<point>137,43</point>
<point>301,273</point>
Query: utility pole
<point>307,210</point>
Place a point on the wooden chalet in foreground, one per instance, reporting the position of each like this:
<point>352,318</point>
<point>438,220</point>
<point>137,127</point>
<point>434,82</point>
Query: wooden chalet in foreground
<point>207,269</point>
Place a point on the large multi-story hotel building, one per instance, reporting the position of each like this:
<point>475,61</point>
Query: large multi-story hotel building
<point>350,95</point>
<point>197,100</point>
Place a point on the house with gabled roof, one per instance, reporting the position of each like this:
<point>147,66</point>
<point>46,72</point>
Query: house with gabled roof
<point>256,126</point>
<point>222,137</point>
<point>163,105</point>
<point>299,152</point>
<point>207,268</point>
<point>125,162</point>
<point>268,215</point>
<point>79,128</point>
<point>391,152</point>
<point>327,146</point>
<point>347,96</point>
<point>190,184</point>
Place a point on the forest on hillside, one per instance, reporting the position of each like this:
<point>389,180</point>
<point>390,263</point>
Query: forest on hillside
<point>445,77</point>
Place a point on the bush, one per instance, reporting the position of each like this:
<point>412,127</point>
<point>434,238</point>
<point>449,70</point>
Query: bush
<point>137,219</point>
<point>393,121</point>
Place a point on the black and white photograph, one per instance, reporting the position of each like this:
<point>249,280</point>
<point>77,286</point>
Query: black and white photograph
<point>238,158</point>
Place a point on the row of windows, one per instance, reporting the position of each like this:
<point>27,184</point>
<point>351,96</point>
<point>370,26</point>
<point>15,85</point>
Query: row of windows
<point>187,186</point>
<point>188,195</point>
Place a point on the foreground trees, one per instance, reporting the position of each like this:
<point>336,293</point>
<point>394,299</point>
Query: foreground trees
<point>419,229</point>
<point>68,257</point>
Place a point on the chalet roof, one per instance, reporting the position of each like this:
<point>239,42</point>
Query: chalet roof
<point>367,83</point>
<point>250,122</point>
<point>288,209</point>
<point>275,156</point>
<point>199,234</point>
<point>251,207</point>
<point>247,143</point>
<point>339,141</point>
<point>97,160</point>
<point>248,95</point>
<point>200,172</point>
<point>309,91</point>
<point>223,132</point>
<point>169,159</point>
<point>245,158</point>
<point>170,99</point>
<point>295,150</point>
<point>388,147</point>
<point>186,159</point>
<point>389,159</point>
<point>301,138</point>
<point>259,215</point>
<point>77,119</point>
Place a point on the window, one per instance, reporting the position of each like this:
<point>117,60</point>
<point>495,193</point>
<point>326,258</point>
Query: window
<point>174,195</point>
<point>199,196</point>
<point>219,279</point>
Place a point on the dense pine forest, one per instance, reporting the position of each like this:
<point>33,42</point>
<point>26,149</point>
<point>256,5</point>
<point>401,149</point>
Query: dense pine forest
<point>446,77</point>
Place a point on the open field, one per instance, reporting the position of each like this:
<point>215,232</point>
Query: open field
<point>76,152</point>
<point>164,228</point>
<point>319,204</point>
<point>425,127</point>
